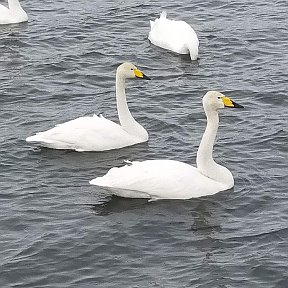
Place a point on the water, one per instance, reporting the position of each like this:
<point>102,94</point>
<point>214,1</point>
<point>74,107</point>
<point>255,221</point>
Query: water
<point>58,231</point>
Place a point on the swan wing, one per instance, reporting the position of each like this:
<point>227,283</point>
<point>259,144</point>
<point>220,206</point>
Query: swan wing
<point>158,179</point>
<point>85,134</point>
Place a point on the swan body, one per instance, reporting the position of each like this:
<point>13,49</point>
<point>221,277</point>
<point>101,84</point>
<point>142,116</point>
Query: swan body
<point>169,179</point>
<point>158,179</point>
<point>97,133</point>
<point>13,14</point>
<point>177,36</point>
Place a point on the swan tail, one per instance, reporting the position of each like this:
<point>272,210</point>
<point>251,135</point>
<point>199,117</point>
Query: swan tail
<point>153,23</point>
<point>34,138</point>
<point>118,177</point>
<point>163,14</point>
<point>98,182</point>
<point>115,188</point>
<point>50,143</point>
<point>112,178</point>
<point>47,142</point>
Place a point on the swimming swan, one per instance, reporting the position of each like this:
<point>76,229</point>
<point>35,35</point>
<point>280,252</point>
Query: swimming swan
<point>177,36</point>
<point>169,179</point>
<point>13,14</point>
<point>97,133</point>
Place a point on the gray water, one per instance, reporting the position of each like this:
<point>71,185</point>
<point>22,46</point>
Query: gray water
<point>58,231</point>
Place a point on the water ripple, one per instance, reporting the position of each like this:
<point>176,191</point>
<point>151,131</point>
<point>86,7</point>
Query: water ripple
<point>59,231</point>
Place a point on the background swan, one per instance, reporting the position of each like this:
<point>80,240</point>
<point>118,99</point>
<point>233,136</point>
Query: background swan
<point>177,36</point>
<point>169,179</point>
<point>97,133</point>
<point>13,14</point>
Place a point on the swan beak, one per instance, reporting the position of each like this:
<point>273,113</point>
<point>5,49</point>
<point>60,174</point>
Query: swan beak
<point>140,74</point>
<point>230,103</point>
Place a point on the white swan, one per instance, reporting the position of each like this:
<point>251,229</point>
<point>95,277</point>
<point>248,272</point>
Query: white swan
<point>169,179</point>
<point>97,133</point>
<point>177,36</point>
<point>13,14</point>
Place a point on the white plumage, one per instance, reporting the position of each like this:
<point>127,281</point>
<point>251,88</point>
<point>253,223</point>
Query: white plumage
<point>177,36</point>
<point>169,179</point>
<point>97,133</point>
<point>13,14</point>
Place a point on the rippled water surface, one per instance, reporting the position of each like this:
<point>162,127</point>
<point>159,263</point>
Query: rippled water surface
<point>58,231</point>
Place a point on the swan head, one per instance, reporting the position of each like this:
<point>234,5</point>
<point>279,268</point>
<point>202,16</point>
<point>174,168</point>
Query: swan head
<point>128,70</point>
<point>214,100</point>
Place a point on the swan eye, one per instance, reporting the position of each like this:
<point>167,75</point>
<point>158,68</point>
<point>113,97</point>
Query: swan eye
<point>219,97</point>
<point>132,69</point>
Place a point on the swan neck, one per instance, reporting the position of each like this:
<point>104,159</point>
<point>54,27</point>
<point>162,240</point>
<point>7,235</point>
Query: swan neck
<point>204,155</point>
<point>125,117</point>
<point>193,51</point>
<point>192,46</point>
<point>205,162</point>
<point>128,123</point>
<point>14,5</point>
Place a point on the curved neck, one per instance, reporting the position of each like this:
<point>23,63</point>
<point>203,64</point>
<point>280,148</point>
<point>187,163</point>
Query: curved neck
<point>124,114</point>
<point>193,51</point>
<point>126,119</point>
<point>205,162</point>
<point>204,159</point>
<point>14,5</point>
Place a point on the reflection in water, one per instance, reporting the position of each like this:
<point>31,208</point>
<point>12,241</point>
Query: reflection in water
<point>200,212</point>
<point>117,205</point>
<point>204,220</point>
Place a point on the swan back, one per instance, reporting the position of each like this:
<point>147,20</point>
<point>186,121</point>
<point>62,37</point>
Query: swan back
<point>177,36</point>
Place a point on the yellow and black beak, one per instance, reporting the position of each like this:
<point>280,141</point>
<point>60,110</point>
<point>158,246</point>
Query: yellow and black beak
<point>230,104</point>
<point>140,74</point>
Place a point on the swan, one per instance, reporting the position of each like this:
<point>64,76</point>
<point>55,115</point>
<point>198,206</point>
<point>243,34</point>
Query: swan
<point>13,14</point>
<point>97,133</point>
<point>177,36</point>
<point>170,179</point>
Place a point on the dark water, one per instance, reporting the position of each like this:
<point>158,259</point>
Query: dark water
<point>58,231</point>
